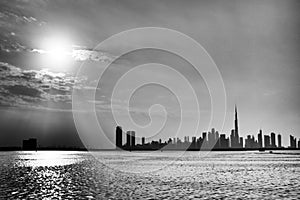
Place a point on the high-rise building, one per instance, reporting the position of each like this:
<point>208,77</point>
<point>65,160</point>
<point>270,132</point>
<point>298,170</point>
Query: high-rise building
<point>186,139</point>
<point>273,140</point>
<point>234,136</point>
<point>279,140</point>
<point>204,142</point>
<point>217,145</point>
<point>193,145</point>
<point>223,141</point>
<point>267,141</point>
<point>132,144</point>
<point>143,140</point>
<point>227,142</point>
<point>259,137</point>
<point>292,142</point>
<point>204,136</point>
<point>236,122</point>
<point>211,139</point>
<point>232,139</point>
<point>199,142</point>
<point>193,139</point>
<point>119,136</point>
<point>241,142</point>
<point>249,142</point>
<point>128,138</point>
<point>236,128</point>
<point>253,142</point>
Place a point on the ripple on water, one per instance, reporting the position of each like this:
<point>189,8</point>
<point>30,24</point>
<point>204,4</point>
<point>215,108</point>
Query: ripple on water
<point>77,175</point>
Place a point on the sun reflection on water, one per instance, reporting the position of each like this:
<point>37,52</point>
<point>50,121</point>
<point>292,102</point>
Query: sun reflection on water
<point>48,158</point>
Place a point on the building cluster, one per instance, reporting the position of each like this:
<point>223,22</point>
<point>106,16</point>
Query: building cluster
<point>293,142</point>
<point>269,141</point>
<point>208,140</point>
<point>130,139</point>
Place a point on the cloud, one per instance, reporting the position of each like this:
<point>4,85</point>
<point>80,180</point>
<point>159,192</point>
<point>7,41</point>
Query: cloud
<point>15,18</point>
<point>33,88</point>
<point>24,90</point>
<point>86,54</point>
<point>43,89</point>
<point>18,17</point>
<point>83,55</point>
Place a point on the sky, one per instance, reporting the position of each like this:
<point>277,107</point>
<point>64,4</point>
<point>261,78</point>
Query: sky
<point>43,44</point>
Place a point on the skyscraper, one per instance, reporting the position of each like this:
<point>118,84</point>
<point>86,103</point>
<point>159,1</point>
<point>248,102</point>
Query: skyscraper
<point>234,137</point>
<point>186,139</point>
<point>132,144</point>
<point>241,142</point>
<point>292,142</point>
<point>249,142</point>
<point>193,145</point>
<point>217,145</point>
<point>259,136</point>
<point>119,136</point>
<point>273,140</point>
<point>211,138</point>
<point>279,140</point>
<point>143,140</point>
<point>236,128</point>
<point>267,141</point>
<point>204,136</point>
<point>128,138</point>
<point>223,141</point>
<point>199,142</point>
<point>204,142</point>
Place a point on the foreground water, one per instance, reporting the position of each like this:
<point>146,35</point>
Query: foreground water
<point>143,175</point>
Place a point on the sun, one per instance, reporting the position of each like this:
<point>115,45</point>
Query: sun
<point>57,50</point>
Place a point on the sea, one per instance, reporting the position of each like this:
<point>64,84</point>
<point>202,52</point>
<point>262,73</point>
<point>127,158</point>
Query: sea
<point>149,175</point>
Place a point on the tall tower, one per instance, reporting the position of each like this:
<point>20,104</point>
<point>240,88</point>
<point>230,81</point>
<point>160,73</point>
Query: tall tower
<point>273,140</point>
<point>128,139</point>
<point>260,143</point>
<point>132,143</point>
<point>236,128</point>
<point>267,141</point>
<point>279,140</point>
<point>119,136</point>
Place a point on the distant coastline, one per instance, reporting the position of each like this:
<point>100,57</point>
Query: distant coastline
<point>138,149</point>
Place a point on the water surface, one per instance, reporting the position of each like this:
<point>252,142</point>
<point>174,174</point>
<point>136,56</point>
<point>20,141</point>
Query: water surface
<point>144,175</point>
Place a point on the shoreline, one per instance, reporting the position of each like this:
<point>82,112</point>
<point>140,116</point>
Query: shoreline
<point>148,149</point>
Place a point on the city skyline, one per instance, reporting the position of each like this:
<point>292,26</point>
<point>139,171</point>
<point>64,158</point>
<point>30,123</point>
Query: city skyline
<point>208,140</point>
<point>44,45</point>
<point>149,99</point>
<point>219,143</point>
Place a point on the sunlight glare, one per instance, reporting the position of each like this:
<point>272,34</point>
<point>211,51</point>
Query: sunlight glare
<point>57,50</point>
